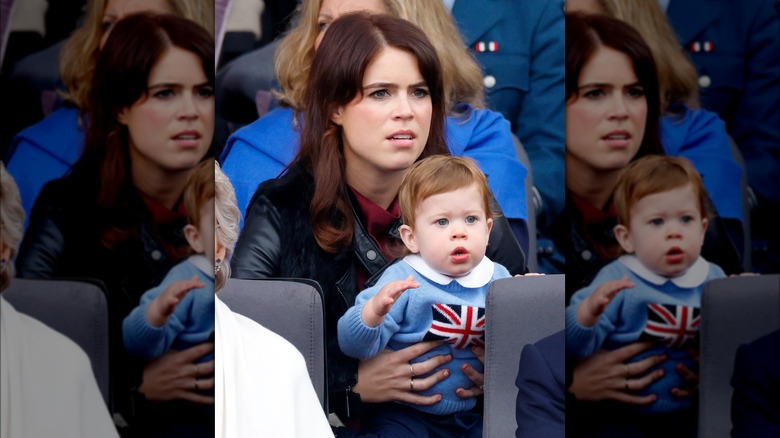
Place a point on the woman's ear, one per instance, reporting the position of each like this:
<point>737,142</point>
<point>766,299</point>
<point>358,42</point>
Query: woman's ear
<point>122,116</point>
<point>624,238</point>
<point>336,117</point>
<point>407,235</point>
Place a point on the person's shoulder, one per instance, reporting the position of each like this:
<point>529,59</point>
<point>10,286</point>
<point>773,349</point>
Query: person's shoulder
<point>58,128</point>
<point>295,186</point>
<point>49,344</point>
<point>279,120</point>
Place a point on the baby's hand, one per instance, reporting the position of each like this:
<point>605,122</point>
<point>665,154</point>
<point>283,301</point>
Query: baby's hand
<point>592,307</point>
<point>376,307</point>
<point>161,308</point>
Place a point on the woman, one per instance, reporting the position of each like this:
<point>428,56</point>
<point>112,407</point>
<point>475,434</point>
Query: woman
<point>271,142</point>
<point>612,115</point>
<point>686,130</point>
<point>46,150</point>
<point>48,388</point>
<point>333,216</point>
<point>248,404</point>
<point>117,216</point>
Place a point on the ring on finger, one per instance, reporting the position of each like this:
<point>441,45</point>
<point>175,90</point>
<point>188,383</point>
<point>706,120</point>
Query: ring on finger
<point>411,370</point>
<point>411,383</point>
<point>481,387</point>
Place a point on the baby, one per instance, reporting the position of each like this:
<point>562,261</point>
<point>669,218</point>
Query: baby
<point>445,203</point>
<point>662,219</point>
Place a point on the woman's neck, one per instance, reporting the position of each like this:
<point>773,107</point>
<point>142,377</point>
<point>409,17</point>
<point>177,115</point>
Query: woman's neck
<point>380,189</point>
<point>593,186</point>
<point>164,187</point>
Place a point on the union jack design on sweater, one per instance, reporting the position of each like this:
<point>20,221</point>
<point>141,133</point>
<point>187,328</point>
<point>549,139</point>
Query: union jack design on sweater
<point>675,325</point>
<point>462,326</point>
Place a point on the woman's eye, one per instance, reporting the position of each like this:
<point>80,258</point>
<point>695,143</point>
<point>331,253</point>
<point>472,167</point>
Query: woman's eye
<point>323,25</point>
<point>380,94</point>
<point>420,92</point>
<point>163,93</point>
<point>106,26</point>
<point>205,92</point>
<point>636,92</point>
<point>594,94</point>
<point>442,222</point>
<point>471,219</point>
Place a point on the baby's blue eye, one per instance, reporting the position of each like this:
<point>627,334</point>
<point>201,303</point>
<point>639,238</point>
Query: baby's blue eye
<point>471,219</point>
<point>442,222</point>
<point>686,219</point>
<point>657,222</point>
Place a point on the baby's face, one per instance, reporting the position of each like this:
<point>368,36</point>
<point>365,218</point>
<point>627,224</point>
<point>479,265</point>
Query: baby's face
<point>451,231</point>
<point>666,231</point>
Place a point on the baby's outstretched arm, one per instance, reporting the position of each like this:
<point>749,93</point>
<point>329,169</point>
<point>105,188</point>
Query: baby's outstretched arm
<point>376,307</point>
<point>593,306</point>
<point>161,308</point>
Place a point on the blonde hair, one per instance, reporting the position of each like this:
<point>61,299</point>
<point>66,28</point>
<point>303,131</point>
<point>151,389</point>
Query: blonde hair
<point>11,223</point>
<point>441,174</point>
<point>677,77</point>
<point>656,174</point>
<point>462,75</point>
<point>80,52</point>
<point>227,216</point>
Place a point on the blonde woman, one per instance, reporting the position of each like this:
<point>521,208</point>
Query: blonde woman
<point>271,142</point>
<point>48,388</point>
<point>255,396</point>
<point>46,150</point>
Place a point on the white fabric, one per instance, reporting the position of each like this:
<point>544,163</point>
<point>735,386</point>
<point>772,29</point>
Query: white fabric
<point>46,383</point>
<point>262,385</point>
<point>478,277</point>
<point>692,277</point>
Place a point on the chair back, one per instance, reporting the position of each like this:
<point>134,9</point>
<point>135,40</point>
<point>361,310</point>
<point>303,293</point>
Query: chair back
<point>734,311</point>
<point>519,311</point>
<point>291,308</point>
<point>77,309</point>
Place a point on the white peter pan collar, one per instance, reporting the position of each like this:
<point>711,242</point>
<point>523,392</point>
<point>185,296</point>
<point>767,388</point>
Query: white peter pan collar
<point>478,277</point>
<point>202,263</point>
<point>693,277</point>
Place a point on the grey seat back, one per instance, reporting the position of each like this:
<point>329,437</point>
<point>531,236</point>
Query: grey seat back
<point>519,311</point>
<point>734,311</point>
<point>76,309</point>
<point>290,308</point>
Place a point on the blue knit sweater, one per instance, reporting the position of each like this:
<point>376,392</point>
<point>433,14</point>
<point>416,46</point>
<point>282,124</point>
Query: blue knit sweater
<point>418,315</point>
<point>626,318</point>
<point>190,324</point>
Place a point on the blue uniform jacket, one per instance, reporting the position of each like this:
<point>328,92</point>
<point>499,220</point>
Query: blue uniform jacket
<point>735,46</point>
<point>44,152</point>
<point>524,81</point>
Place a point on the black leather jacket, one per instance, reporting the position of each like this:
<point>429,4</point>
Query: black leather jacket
<point>277,241</point>
<point>62,240</point>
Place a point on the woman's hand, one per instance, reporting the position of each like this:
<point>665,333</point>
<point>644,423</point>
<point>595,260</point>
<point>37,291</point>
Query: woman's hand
<point>473,375</point>
<point>605,376</point>
<point>175,376</point>
<point>691,377</point>
<point>389,376</point>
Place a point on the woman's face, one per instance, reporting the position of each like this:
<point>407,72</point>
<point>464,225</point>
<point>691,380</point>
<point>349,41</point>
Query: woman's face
<point>386,129</point>
<point>330,10</point>
<point>171,127</point>
<point>605,119</point>
<point>119,9</point>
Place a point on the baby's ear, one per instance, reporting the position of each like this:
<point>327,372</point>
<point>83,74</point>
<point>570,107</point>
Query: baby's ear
<point>407,235</point>
<point>193,238</point>
<point>624,238</point>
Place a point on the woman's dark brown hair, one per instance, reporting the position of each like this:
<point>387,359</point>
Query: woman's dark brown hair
<point>135,45</point>
<point>336,78</point>
<point>587,33</point>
